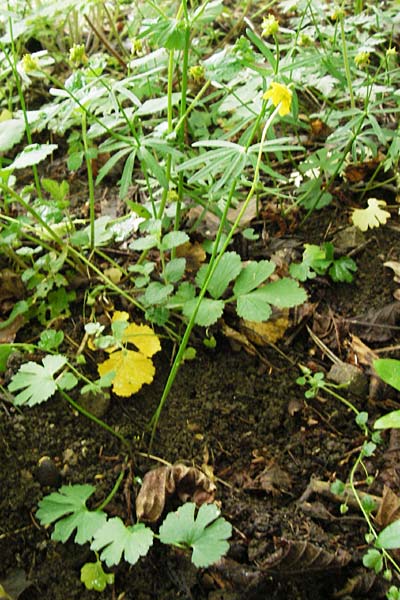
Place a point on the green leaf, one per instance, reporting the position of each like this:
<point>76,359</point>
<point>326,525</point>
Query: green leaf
<point>175,269</point>
<point>68,508</point>
<point>207,534</point>
<point>389,538</point>
<point>144,243</point>
<point>36,381</point>
<point>58,191</point>
<point>11,133</point>
<point>20,308</point>
<point>5,351</point>
<point>389,421</point>
<point>388,369</point>
<point>301,271</point>
<point>173,239</point>
<point>117,539</point>
<point>32,155</point>
<point>126,177</point>
<point>283,293</point>
<point>157,293</point>
<point>342,268</point>
<point>209,311</point>
<point>154,167</point>
<point>50,339</point>
<point>94,578</point>
<point>228,269</point>
<point>253,307</point>
<point>185,292</point>
<point>373,560</point>
<point>252,276</point>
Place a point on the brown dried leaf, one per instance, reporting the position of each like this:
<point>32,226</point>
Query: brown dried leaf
<point>292,558</point>
<point>377,325</point>
<point>389,509</point>
<point>395,266</point>
<point>359,585</point>
<point>272,480</point>
<point>194,254</point>
<point>187,483</point>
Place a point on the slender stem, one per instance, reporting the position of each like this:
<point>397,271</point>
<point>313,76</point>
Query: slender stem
<point>93,418</point>
<point>111,495</point>
<point>88,160</point>
<point>214,262</point>
<point>346,62</point>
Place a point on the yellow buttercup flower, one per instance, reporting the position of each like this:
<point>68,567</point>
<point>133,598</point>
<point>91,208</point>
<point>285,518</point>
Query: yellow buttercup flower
<point>279,94</point>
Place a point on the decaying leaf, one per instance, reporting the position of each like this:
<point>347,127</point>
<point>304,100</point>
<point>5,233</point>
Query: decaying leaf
<point>377,325</point>
<point>395,266</point>
<point>187,483</point>
<point>360,586</point>
<point>194,255</point>
<point>264,333</point>
<point>14,585</point>
<point>272,480</point>
<point>389,509</point>
<point>293,558</point>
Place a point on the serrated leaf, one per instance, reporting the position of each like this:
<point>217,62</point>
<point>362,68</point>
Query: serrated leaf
<point>175,269</point>
<point>36,381</point>
<point>342,268</point>
<point>209,311</point>
<point>207,534</point>
<point>32,155</point>
<point>228,269</point>
<point>11,133</point>
<point>252,307</point>
<point>253,275</point>
<point>283,293</point>
<point>94,577</point>
<point>372,216</point>
<point>174,239</point>
<point>157,293</point>
<point>131,370</point>
<point>117,539</point>
<point>301,271</point>
<point>68,508</point>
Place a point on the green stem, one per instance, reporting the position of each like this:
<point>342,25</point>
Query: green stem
<point>111,495</point>
<point>346,62</point>
<point>92,215</point>
<point>95,419</point>
<point>214,262</point>
<point>169,120</point>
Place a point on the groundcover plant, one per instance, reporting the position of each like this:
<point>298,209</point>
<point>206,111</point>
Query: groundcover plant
<point>219,126</point>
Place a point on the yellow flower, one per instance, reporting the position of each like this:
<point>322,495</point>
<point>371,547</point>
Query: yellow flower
<point>270,26</point>
<point>362,59</point>
<point>279,94</point>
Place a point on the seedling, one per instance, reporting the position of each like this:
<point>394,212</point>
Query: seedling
<point>206,533</point>
<point>320,260</point>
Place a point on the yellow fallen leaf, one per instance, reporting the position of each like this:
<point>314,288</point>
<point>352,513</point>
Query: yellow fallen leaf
<point>268,332</point>
<point>132,369</point>
<point>372,216</point>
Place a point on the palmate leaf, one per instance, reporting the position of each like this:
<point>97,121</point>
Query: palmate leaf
<point>117,539</point>
<point>68,508</point>
<point>372,216</point>
<point>207,534</point>
<point>36,382</point>
<point>131,370</point>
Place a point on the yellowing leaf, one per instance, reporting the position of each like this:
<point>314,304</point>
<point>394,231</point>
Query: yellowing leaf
<point>143,337</point>
<point>370,217</point>
<point>132,369</point>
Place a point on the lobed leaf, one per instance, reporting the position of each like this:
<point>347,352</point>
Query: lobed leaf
<point>116,539</point>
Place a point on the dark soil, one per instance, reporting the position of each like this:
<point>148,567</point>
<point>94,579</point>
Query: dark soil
<point>245,418</point>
